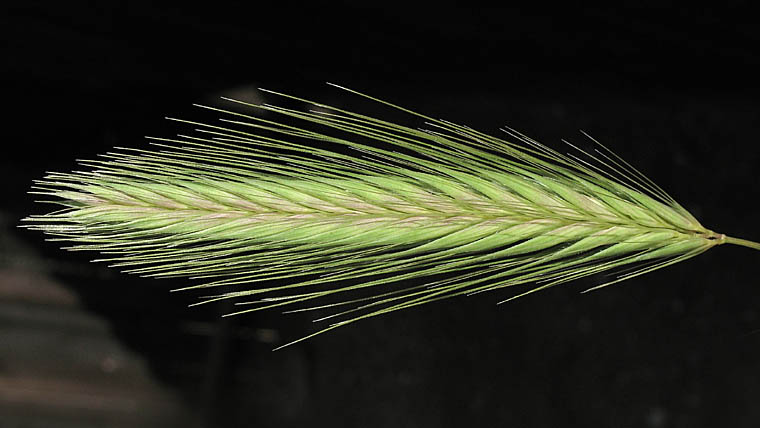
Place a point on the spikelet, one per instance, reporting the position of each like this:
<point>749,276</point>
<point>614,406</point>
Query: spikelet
<point>344,211</point>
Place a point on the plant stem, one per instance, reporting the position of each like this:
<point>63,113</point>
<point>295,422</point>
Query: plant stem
<point>742,242</point>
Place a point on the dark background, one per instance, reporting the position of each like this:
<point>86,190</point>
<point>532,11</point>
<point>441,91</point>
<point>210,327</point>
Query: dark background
<point>672,90</point>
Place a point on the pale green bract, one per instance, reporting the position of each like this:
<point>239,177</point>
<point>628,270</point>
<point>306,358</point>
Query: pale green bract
<point>364,216</point>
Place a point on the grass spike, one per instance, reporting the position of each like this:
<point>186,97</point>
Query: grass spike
<point>362,216</point>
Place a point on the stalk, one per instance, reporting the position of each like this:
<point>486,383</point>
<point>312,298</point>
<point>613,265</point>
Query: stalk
<point>742,242</point>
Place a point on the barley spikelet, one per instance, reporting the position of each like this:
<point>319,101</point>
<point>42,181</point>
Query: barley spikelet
<point>345,210</point>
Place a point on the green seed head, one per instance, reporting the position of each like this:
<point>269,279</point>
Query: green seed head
<point>363,206</point>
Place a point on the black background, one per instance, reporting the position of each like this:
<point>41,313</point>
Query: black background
<point>672,90</point>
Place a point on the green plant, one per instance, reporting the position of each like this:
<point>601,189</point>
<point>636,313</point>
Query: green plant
<point>347,208</point>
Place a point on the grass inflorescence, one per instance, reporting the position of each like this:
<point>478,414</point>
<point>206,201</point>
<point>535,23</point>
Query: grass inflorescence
<point>348,212</point>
